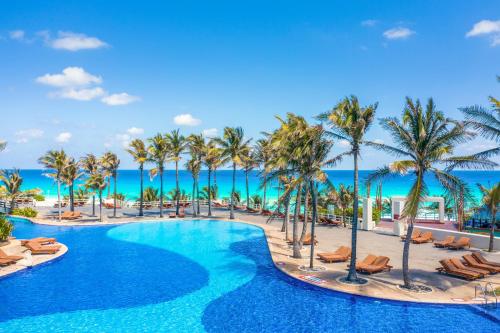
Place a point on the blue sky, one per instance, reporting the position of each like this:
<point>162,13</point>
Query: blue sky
<point>91,75</point>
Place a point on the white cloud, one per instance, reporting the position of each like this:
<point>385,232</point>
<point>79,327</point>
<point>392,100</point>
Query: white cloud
<point>379,141</point>
<point>119,99</point>
<point>124,139</point>
<point>398,33</point>
<point>369,23</point>
<point>74,42</point>
<point>24,136</point>
<point>70,77</point>
<point>344,143</point>
<point>186,120</point>
<point>135,131</point>
<point>210,132</point>
<point>17,35</point>
<point>63,137</point>
<point>86,94</point>
<point>486,28</point>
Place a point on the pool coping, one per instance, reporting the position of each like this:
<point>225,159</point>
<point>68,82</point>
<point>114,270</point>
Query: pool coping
<point>360,291</point>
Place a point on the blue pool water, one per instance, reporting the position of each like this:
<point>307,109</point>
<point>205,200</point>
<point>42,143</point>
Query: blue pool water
<point>193,276</point>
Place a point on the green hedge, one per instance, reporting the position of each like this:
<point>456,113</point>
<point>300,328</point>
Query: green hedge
<point>5,228</point>
<point>26,212</point>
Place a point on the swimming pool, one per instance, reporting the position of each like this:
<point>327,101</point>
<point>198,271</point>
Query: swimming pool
<point>193,276</point>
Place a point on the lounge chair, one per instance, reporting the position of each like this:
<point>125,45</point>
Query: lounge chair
<point>6,262</point>
<point>458,264</point>
<point>252,210</point>
<point>182,213</point>
<point>71,215</point>
<point>4,255</point>
<point>379,265</point>
<point>473,262</point>
<point>41,240</point>
<point>172,215</point>
<point>340,255</point>
<point>423,238</point>
<point>445,242</point>
<point>307,240</point>
<point>460,243</point>
<point>450,269</point>
<point>37,248</point>
<point>369,259</point>
<point>483,260</point>
<point>415,234</point>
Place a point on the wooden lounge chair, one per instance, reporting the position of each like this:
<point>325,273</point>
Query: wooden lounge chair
<point>41,240</point>
<point>445,242</point>
<point>71,215</point>
<point>6,262</point>
<point>182,213</point>
<point>483,260</point>
<point>379,265</point>
<point>307,240</point>
<point>369,259</point>
<point>172,215</point>
<point>460,243</point>
<point>452,270</point>
<point>423,238</point>
<point>415,234</point>
<point>340,255</point>
<point>458,264</point>
<point>473,262</point>
<point>4,255</point>
<point>37,248</point>
<point>252,210</point>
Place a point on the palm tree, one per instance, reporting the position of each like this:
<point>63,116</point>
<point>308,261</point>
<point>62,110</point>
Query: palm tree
<point>139,153</point>
<point>158,151</point>
<point>12,181</point>
<point>194,166</point>
<point>344,200</point>
<point>56,161</point>
<point>426,139</point>
<point>98,182</point>
<point>196,144</point>
<point>491,199</point>
<point>233,146</point>
<point>211,155</point>
<point>90,166</point>
<point>248,162</point>
<point>263,154</point>
<point>177,144</point>
<point>110,163</point>
<point>349,122</point>
<point>69,175</point>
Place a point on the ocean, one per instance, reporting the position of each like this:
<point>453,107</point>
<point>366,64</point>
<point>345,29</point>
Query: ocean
<point>128,182</point>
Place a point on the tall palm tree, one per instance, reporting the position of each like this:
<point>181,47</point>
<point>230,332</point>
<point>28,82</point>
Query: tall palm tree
<point>491,199</point>
<point>196,144</point>
<point>69,176</point>
<point>349,122</point>
<point>210,157</point>
<point>426,139</point>
<point>158,150</point>
<point>344,200</point>
<point>194,166</point>
<point>110,163</point>
<point>139,153</point>
<point>90,165</point>
<point>263,155</point>
<point>248,162</point>
<point>233,146</point>
<point>177,143</point>
<point>55,160</point>
<point>98,182</point>
<point>12,181</point>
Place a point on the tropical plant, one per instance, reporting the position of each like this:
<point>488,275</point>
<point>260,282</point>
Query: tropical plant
<point>344,200</point>
<point>137,149</point>
<point>256,199</point>
<point>55,161</point>
<point>6,228</point>
<point>69,175</point>
<point>12,182</point>
<point>177,144</point>
<point>25,211</point>
<point>194,166</point>
<point>90,165</point>
<point>158,150</point>
<point>349,122</point>
<point>110,164</point>
<point>211,156</point>
<point>233,146</point>
<point>150,194</point>
<point>196,144</point>
<point>248,162</point>
<point>98,183</point>
<point>426,139</point>
<point>491,199</point>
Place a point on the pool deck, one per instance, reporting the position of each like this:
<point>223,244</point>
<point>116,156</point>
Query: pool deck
<point>14,247</point>
<point>423,258</point>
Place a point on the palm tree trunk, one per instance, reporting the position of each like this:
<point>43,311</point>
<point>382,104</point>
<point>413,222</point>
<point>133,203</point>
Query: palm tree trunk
<point>141,200</point>
<point>177,194</point>
<point>197,197</point>
<point>193,199</point>
<point>265,192</point>
<point>306,212</point>
<point>215,177</point>
<point>287,216</point>
<point>71,198</point>
<point>492,230</point>
<point>284,225</point>
<point>161,193</point>
<point>100,206</point>
<point>59,197</point>
<point>296,247</point>
<point>209,193</point>
<point>352,276</point>
<point>406,254</point>
<point>231,213</point>
<point>114,193</point>
<point>248,194</point>
<point>93,204</point>
<point>314,220</point>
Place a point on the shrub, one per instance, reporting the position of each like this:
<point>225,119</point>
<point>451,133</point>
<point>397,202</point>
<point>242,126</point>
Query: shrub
<point>26,212</point>
<point>5,228</point>
<point>39,197</point>
<point>376,215</point>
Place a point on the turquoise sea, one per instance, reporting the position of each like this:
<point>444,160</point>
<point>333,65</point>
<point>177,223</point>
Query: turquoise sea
<point>128,182</point>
